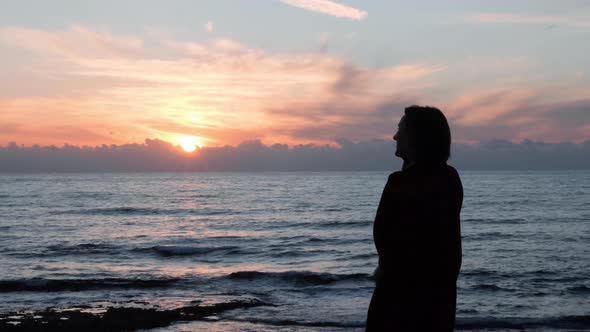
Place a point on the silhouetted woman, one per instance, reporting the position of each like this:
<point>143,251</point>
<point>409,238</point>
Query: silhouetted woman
<point>417,231</point>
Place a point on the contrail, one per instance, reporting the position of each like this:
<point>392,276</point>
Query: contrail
<point>329,8</point>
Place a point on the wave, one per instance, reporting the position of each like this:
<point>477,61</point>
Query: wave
<point>124,210</point>
<point>328,240</point>
<point>521,323</point>
<point>113,211</point>
<point>486,276</point>
<point>317,239</point>
<point>168,251</point>
<point>534,276</point>
<point>292,253</point>
<point>488,236</point>
<point>326,224</point>
<point>364,257</point>
<point>300,277</point>
<point>512,323</point>
<point>580,289</point>
<point>491,288</point>
<point>88,249</point>
<point>496,221</point>
<point>69,250</point>
<point>59,285</point>
<point>345,223</point>
<point>289,322</point>
<point>339,209</point>
<point>537,276</point>
<point>85,194</point>
<point>82,249</point>
<point>558,279</point>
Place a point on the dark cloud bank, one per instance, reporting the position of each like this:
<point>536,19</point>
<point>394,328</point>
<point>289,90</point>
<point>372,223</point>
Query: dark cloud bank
<point>156,155</point>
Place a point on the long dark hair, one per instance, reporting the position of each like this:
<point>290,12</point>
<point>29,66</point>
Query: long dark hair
<point>430,134</point>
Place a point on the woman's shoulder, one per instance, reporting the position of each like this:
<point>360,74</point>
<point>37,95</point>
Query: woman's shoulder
<point>392,181</point>
<point>395,176</point>
<point>449,167</point>
<point>453,172</point>
<point>413,173</point>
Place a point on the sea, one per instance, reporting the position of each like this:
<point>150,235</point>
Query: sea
<point>300,243</point>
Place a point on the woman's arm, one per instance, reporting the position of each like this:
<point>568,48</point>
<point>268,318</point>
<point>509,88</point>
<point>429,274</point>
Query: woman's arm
<point>396,232</point>
<point>393,232</point>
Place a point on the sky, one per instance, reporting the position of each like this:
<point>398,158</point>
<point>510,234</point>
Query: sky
<point>214,73</point>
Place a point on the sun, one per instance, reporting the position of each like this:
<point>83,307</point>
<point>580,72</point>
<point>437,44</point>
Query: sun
<point>189,143</point>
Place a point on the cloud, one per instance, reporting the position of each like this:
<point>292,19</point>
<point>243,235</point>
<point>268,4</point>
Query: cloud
<point>209,26</point>
<point>329,8</point>
<point>359,104</point>
<point>526,155</point>
<point>214,90</point>
<point>478,108</point>
<point>511,18</point>
<point>76,43</point>
<point>121,89</point>
<point>517,114</point>
<point>332,120</point>
<point>372,155</point>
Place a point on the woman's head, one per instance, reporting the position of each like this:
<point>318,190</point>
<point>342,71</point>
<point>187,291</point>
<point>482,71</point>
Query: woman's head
<point>423,136</point>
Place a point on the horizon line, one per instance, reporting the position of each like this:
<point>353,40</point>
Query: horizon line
<point>337,142</point>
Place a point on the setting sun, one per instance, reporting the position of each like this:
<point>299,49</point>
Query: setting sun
<point>189,143</point>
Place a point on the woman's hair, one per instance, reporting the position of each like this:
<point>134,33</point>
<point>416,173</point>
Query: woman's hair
<point>429,132</point>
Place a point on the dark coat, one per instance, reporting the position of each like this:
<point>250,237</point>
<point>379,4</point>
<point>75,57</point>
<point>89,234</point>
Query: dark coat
<point>418,238</point>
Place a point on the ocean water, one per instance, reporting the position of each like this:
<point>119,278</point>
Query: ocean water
<point>299,242</point>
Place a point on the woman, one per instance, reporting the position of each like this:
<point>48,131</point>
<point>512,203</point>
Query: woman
<point>417,231</point>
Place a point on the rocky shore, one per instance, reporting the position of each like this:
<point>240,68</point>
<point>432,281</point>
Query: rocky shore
<point>125,318</point>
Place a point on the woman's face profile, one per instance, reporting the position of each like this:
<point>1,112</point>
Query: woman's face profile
<point>402,148</point>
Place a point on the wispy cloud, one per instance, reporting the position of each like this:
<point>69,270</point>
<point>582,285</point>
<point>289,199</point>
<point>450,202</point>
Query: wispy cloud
<point>122,89</point>
<point>520,113</point>
<point>221,90</point>
<point>78,42</point>
<point>329,8</point>
<point>511,18</point>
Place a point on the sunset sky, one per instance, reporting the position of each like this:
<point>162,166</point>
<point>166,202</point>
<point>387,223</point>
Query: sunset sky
<point>221,72</point>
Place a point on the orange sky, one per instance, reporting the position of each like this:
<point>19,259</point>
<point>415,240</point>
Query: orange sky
<point>88,86</point>
<point>108,89</point>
